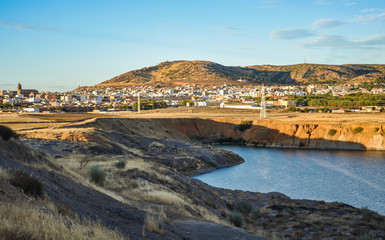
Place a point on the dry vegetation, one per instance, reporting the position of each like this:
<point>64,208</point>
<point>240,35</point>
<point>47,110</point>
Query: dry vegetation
<point>205,72</point>
<point>154,223</point>
<point>138,183</point>
<point>24,221</point>
<point>31,215</point>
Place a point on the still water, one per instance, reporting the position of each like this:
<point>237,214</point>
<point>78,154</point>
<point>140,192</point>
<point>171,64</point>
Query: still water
<point>353,177</point>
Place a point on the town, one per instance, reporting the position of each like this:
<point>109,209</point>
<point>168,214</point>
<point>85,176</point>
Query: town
<point>111,99</point>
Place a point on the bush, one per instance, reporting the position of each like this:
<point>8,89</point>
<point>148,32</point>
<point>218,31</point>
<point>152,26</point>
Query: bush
<point>291,109</point>
<point>244,125</point>
<point>121,164</point>
<point>332,132</point>
<point>154,224</point>
<point>243,207</point>
<point>366,237</point>
<point>98,176</point>
<point>358,129</point>
<point>237,219</point>
<point>30,185</point>
<point>367,215</point>
<point>230,205</point>
<point>7,133</point>
<point>376,129</point>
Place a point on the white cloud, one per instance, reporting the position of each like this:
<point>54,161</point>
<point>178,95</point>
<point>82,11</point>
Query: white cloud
<point>291,33</point>
<point>228,28</point>
<point>26,27</point>
<point>378,39</point>
<point>323,2</point>
<point>234,31</point>
<point>268,3</point>
<point>368,10</point>
<point>327,23</point>
<point>336,41</point>
<point>374,16</point>
<point>329,41</point>
<point>350,3</point>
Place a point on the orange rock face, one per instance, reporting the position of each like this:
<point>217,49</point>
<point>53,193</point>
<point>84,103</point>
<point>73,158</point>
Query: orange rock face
<point>269,133</point>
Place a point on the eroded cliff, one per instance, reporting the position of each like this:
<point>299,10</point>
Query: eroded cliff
<point>277,133</point>
<point>267,133</point>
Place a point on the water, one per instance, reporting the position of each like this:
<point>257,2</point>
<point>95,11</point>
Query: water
<point>353,177</point>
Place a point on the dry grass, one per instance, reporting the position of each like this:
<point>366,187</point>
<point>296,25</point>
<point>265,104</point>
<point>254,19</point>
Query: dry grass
<point>128,190</point>
<point>154,223</point>
<point>156,210</point>
<point>26,222</point>
<point>3,173</point>
<point>152,193</point>
<point>209,216</point>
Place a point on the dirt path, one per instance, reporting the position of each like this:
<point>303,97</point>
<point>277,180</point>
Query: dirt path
<point>202,230</point>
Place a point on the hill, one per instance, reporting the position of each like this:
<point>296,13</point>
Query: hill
<point>319,73</point>
<point>206,72</point>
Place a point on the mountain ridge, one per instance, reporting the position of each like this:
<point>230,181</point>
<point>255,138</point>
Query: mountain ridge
<point>211,73</point>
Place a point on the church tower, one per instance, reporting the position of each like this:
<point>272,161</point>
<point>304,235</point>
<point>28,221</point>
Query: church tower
<point>19,89</point>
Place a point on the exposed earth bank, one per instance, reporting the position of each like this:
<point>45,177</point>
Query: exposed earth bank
<point>263,133</point>
<point>278,133</point>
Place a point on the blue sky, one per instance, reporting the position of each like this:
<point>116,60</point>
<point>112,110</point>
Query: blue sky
<point>58,45</point>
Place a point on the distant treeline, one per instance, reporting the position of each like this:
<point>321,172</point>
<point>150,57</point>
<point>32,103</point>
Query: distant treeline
<point>144,105</point>
<point>348,100</point>
<point>379,82</point>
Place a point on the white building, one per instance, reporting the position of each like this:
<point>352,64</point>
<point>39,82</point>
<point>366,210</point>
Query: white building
<point>31,110</point>
<point>34,100</point>
<point>239,106</point>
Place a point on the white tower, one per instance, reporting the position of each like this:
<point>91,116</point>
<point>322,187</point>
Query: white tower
<point>262,114</point>
<point>138,102</point>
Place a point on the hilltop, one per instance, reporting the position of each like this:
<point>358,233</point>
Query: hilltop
<point>319,73</point>
<point>210,73</point>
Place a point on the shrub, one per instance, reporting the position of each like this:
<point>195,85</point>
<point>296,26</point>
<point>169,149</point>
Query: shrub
<point>121,164</point>
<point>244,125</point>
<point>30,185</point>
<point>98,176</point>
<point>366,237</point>
<point>230,205</point>
<point>154,224</point>
<point>291,109</point>
<point>376,129</point>
<point>237,219</point>
<point>64,210</point>
<point>7,133</point>
<point>84,161</point>
<point>332,132</point>
<point>243,207</point>
<point>358,129</point>
<point>255,213</point>
<point>367,215</point>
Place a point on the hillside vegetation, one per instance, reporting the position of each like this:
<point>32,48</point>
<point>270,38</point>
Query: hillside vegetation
<point>205,72</point>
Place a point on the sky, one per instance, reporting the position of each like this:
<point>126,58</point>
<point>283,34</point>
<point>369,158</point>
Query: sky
<point>58,45</point>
